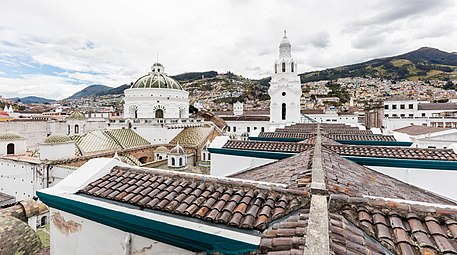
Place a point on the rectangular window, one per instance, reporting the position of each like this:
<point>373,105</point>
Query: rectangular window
<point>248,129</point>
<point>386,115</point>
<point>394,106</point>
<point>402,106</point>
<point>423,114</point>
<point>386,107</point>
<point>411,115</point>
<point>402,115</point>
<point>262,129</point>
<point>411,106</point>
<point>234,129</point>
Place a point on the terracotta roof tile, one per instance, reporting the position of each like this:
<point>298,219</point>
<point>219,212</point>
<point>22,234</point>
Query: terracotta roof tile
<point>267,146</point>
<point>394,152</point>
<point>240,204</point>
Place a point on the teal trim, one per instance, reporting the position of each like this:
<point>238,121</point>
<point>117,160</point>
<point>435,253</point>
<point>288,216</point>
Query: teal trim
<point>275,139</point>
<point>185,238</point>
<point>252,153</point>
<point>375,143</point>
<point>404,163</point>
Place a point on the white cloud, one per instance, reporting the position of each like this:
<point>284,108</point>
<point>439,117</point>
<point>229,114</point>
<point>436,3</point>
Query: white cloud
<point>114,42</point>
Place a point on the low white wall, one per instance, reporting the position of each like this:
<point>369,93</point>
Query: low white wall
<point>223,165</point>
<point>71,234</point>
<point>441,182</point>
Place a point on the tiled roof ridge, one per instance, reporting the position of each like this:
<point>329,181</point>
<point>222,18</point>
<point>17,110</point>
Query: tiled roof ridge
<point>225,182</point>
<point>392,206</point>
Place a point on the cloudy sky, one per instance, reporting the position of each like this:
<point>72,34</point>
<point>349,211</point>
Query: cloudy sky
<point>55,48</point>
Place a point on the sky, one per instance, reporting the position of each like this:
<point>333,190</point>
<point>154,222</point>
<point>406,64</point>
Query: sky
<point>54,48</point>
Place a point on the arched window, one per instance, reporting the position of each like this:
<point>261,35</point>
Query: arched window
<point>283,111</point>
<point>204,156</point>
<point>143,159</point>
<point>159,113</point>
<point>76,129</point>
<point>292,67</point>
<point>44,220</point>
<point>173,162</point>
<point>69,129</point>
<point>136,114</point>
<point>276,68</point>
<point>209,156</point>
<point>10,148</point>
<point>283,67</point>
<point>180,162</point>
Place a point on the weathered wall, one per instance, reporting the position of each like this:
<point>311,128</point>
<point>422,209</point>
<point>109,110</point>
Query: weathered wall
<point>71,234</point>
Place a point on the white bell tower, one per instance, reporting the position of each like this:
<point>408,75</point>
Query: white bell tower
<point>285,87</point>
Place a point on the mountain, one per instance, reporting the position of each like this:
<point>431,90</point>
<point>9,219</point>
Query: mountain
<point>421,64</point>
<point>91,90</point>
<point>113,91</point>
<point>33,100</point>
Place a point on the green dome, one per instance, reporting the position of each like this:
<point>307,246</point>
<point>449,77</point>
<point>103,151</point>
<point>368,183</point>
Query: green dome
<point>156,79</point>
<point>56,139</point>
<point>6,136</point>
<point>76,115</point>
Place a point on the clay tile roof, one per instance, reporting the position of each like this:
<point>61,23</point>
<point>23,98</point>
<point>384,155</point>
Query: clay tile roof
<point>403,228</point>
<point>349,178</point>
<point>286,135</point>
<point>192,135</point>
<point>437,106</point>
<point>360,137</point>
<point>229,202</point>
<point>394,152</point>
<point>267,146</point>
<point>16,237</point>
<point>420,130</point>
<point>294,171</point>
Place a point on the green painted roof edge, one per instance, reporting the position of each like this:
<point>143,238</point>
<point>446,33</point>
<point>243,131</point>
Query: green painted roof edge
<point>375,143</point>
<point>251,153</point>
<point>185,238</point>
<point>404,163</point>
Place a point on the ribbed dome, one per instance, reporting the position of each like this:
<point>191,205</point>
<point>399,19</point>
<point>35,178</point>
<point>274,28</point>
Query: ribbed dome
<point>178,149</point>
<point>156,79</point>
<point>161,149</point>
<point>76,115</point>
<point>56,139</point>
<point>6,136</point>
<point>17,237</point>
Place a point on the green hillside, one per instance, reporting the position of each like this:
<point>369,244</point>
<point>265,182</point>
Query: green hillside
<point>422,64</point>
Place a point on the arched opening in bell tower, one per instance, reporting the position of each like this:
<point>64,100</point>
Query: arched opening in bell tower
<point>283,111</point>
<point>159,114</point>
<point>283,67</point>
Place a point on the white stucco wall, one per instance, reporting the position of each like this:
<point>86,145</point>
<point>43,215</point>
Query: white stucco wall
<point>19,147</point>
<point>441,182</point>
<point>20,178</point>
<point>89,237</point>
<point>173,102</point>
<point>223,165</point>
<point>57,151</point>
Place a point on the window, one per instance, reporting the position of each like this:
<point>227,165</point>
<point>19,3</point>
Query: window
<point>283,67</point>
<point>402,106</point>
<point>411,106</point>
<point>410,115</point>
<point>69,130</point>
<point>10,148</point>
<point>180,162</point>
<point>204,156</point>
<point>292,67</point>
<point>248,129</point>
<point>283,93</point>
<point>386,115</point>
<point>423,114</point>
<point>173,161</point>
<point>386,107</point>
<point>159,114</point>
<point>228,128</point>
<point>394,106</point>
<point>262,129</point>
<point>234,129</point>
<point>209,156</point>
<point>76,129</point>
<point>402,115</point>
<point>276,68</point>
<point>283,111</point>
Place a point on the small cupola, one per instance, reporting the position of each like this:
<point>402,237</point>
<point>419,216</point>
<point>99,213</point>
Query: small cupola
<point>177,157</point>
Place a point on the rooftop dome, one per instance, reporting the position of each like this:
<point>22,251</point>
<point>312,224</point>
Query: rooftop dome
<point>56,139</point>
<point>17,237</point>
<point>76,115</point>
<point>178,149</point>
<point>156,79</point>
<point>161,149</point>
<point>6,136</point>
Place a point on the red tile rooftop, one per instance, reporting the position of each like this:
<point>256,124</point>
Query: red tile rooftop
<point>288,147</point>
<point>420,130</point>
